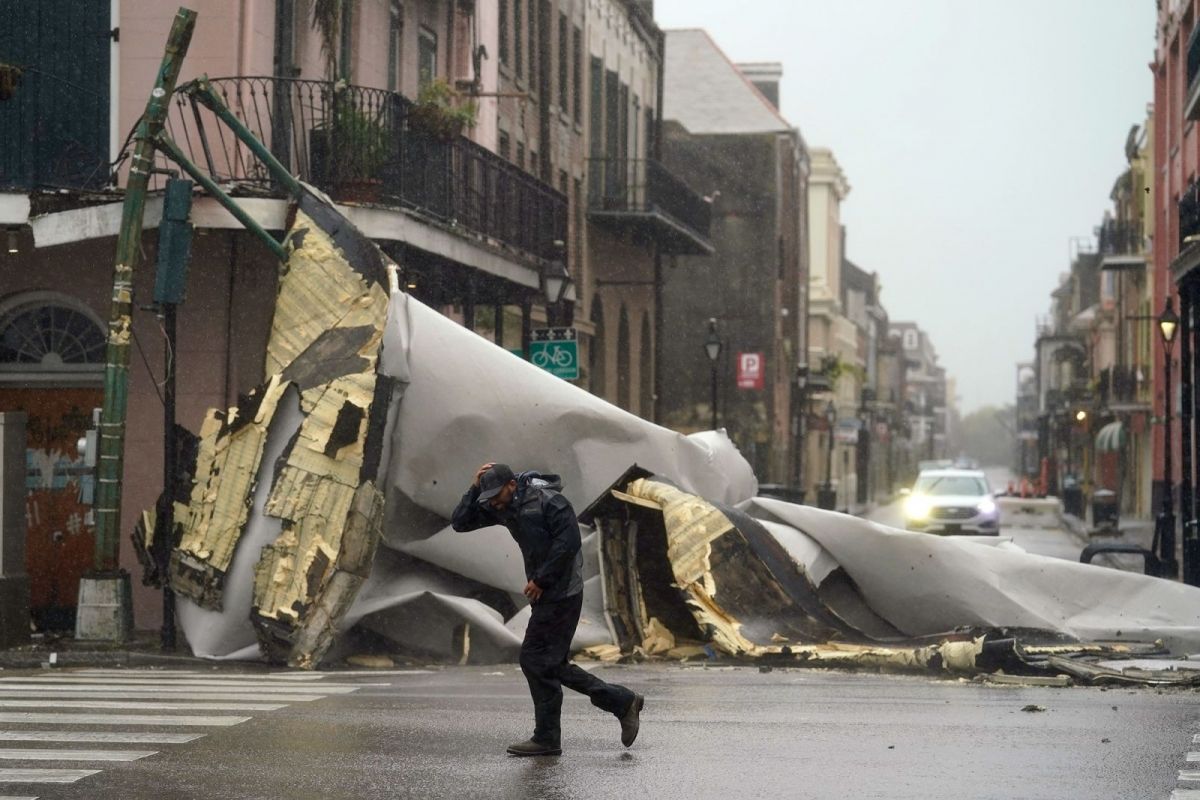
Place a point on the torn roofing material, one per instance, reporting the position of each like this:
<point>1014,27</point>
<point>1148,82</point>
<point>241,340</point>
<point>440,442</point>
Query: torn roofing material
<point>325,340</point>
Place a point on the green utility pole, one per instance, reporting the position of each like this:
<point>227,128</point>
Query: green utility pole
<point>100,589</point>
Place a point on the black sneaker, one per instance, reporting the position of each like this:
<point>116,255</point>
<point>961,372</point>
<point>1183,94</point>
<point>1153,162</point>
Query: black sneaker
<point>533,748</point>
<point>631,720</point>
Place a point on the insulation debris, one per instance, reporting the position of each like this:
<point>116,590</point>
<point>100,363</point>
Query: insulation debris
<point>325,339</point>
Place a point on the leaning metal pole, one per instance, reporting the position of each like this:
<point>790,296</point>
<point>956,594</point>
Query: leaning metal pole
<point>116,370</point>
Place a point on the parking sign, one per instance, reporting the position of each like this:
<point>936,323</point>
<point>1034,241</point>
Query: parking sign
<point>750,370</point>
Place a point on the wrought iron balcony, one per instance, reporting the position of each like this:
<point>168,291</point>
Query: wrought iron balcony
<point>1121,245</point>
<point>1189,216</point>
<point>1119,387</point>
<point>642,196</point>
<point>1191,100</point>
<point>378,147</point>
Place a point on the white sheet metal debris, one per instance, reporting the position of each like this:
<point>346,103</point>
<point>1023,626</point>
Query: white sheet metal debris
<point>321,503</point>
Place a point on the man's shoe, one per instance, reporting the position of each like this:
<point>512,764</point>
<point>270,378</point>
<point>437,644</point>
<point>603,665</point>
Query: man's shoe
<point>631,720</point>
<point>532,748</point>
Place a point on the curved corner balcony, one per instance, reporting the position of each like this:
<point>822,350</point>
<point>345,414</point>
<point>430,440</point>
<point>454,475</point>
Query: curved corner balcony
<point>373,147</point>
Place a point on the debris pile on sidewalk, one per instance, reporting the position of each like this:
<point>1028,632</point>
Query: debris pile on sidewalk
<point>320,506</point>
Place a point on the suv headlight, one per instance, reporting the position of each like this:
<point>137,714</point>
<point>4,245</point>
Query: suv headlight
<point>986,506</point>
<point>917,507</point>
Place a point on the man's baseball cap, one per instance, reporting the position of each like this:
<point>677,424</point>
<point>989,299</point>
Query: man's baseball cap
<point>493,481</point>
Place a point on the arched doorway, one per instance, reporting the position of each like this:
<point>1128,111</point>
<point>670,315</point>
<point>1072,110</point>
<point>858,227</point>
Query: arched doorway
<point>597,365</point>
<point>52,368</point>
<point>623,382</point>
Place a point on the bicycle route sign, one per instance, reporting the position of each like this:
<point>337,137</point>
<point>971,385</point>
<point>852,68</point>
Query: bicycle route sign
<point>555,350</point>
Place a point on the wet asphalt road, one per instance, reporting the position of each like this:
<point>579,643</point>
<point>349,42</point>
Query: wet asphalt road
<point>707,733</point>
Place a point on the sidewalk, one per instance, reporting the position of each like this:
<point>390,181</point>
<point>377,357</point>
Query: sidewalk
<point>1137,531</point>
<point>142,650</point>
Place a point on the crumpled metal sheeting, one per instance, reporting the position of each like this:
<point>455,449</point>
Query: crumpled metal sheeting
<point>325,338</point>
<point>924,584</point>
<point>741,587</point>
<point>305,584</point>
<point>493,406</point>
<point>227,465</point>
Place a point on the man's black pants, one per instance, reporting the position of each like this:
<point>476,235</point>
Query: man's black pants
<point>544,662</point>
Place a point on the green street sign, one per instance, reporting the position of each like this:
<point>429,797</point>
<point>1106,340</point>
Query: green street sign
<point>557,351</point>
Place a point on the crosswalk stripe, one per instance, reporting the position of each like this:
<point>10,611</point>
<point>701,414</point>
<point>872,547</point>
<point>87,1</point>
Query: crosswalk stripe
<point>44,775</point>
<point>107,737</point>
<point>150,693</point>
<point>14,797</point>
<point>1189,775</point>
<point>185,674</point>
<point>1193,756</point>
<point>66,680</point>
<point>121,719</point>
<point>81,688</point>
<point>1185,794</point>
<point>134,705</point>
<point>52,754</point>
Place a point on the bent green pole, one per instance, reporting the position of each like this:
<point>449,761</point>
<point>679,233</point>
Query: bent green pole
<point>111,461</point>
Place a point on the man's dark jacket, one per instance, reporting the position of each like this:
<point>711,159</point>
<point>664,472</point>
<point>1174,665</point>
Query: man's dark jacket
<point>543,524</point>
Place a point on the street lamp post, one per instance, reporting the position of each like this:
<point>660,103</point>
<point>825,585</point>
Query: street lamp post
<point>712,348</point>
<point>827,498</point>
<point>1164,535</point>
<point>801,425</point>
<point>555,281</point>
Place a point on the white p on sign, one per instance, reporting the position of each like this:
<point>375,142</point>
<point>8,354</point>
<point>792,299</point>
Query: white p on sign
<point>750,369</point>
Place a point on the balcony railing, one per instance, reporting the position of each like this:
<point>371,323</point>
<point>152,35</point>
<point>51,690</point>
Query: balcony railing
<point>643,193</point>
<point>1120,238</point>
<point>1120,386</point>
<point>1191,100</point>
<point>1189,215</point>
<point>369,145</point>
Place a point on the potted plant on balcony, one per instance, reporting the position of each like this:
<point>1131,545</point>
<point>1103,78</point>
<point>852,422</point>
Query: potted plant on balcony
<point>349,149</point>
<point>441,111</point>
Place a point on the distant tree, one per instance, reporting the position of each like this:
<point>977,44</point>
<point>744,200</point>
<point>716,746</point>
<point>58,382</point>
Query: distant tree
<point>988,436</point>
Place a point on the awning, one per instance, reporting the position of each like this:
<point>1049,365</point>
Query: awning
<point>1111,438</point>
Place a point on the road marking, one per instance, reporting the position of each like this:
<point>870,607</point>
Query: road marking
<point>148,705</point>
<point>1185,794</point>
<point>109,737</point>
<point>270,691</point>
<point>66,680</point>
<point>1193,756</point>
<point>44,775</point>
<point>150,693</point>
<point>14,797</point>
<point>1189,775</point>
<point>121,719</point>
<point>52,754</point>
<point>185,674</point>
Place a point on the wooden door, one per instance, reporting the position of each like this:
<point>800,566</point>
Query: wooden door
<point>60,541</point>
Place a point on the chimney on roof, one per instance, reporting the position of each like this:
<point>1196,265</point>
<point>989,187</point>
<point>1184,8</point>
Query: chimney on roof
<point>765,75</point>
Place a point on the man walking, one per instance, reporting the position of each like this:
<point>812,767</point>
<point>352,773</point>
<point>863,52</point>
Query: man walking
<point>543,524</point>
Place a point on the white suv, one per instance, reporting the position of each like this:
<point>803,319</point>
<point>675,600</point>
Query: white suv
<point>952,501</point>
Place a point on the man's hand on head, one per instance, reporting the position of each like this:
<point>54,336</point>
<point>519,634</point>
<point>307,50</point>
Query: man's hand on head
<point>533,591</point>
<point>481,470</point>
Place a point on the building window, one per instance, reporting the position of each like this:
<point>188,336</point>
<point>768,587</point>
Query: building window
<point>577,84</point>
<point>504,32</point>
<point>51,336</point>
<point>564,182</point>
<point>910,339</point>
<point>596,108</point>
<point>395,33</point>
<point>504,148</point>
<point>427,51</point>
<point>520,162</point>
<point>564,63</point>
<point>531,18</point>
<point>518,37</point>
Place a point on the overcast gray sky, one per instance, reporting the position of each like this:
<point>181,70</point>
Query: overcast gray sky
<point>977,137</point>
